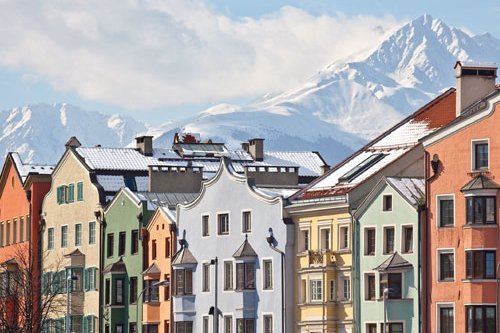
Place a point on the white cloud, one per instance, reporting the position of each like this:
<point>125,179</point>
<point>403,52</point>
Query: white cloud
<point>153,53</point>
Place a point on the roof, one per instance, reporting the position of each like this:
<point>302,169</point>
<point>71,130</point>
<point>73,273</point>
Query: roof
<point>245,250</point>
<point>102,158</point>
<point>184,257</point>
<point>116,267</point>
<point>24,169</point>
<point>165,199</point>
<point>411,189</point>
<point>480,182</point>
<point>383,150</point>
<point>74,253</point>
<point>473,64</point>
<point>394,262</point>
<point>152,269</point>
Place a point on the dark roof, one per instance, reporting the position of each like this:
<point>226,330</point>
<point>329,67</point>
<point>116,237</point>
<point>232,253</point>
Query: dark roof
<point>10,261</point>
<point>245,250</point>
<point>183,257</point>
<point>394,262</point>
<point>167,199</point>
<point>153,269</point>
<point>480,182</point>
<point>74,253</point>
<point>116,267</point>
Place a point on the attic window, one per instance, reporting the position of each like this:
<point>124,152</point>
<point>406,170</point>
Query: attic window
<point>130,183</point>
<point>361,167</point>
<point>477,72</point>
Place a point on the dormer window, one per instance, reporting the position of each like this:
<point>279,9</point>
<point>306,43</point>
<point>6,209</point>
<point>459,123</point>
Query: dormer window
<point>480,158</point>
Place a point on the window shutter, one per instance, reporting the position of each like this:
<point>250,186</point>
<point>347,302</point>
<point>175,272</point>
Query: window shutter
<point>79,190</point>
<point>87,279</point>
<point>95,278</point>
<point>71,193</point>
<point>59,197</point>
<point>85,325</point>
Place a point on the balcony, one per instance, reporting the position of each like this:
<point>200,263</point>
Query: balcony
<point>321,258</point>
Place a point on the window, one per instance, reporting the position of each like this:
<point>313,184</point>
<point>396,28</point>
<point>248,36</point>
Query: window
<point>480,318</point>
<point>344,238</point>
<point>110,245</point>
<point>183,282</point>
<point>184,327</point>
<point>50,238</point>
<point>446,206</point>
<point>107,294</point>
<point>151,291</point>
<point>316,290</point>
<point>119,291</point>
<point>130,183</point>
<point>153,328</point>
<point>480,264</point>
<point>370,287</point>
<point>122,237</point>
<point>79,191</point>
<point>393,282</point>
<point>387,203</point>
<point>61,194</point>
<point>76,285</point>
<point>153,249</point>
<point>446,266</point>
<point>167,247</point>
<point>324,238</point>
<point>370,241</point>
<point>1,234</point>
<point>245,276</point>
<point>132,328</point>
<point>268,274</point>
<point>245,325</point>
<point>133,289</point>
<point>92,232</point>
<point>206,277</point>
<point>228,275</point>
<point>71,193</point>
<point>21,229</point>
<point>223,224</point>
<point>166,288</point>
<point>78,234</point>
<point>388,240</point>
<point>118,328</point>
<point>371,328</point>
<point>304,240</point>
<point>481,210</point>
<point>134,243</point>
<point>7,238</point>
<point>205,324</point>
<point>228,324</point>
<point>392,328</point>
<point>75,323</point>
<point>89,324</point>
<point>246,222</point>
<point>14,231</point>
<point>346,284</point>
<point>407,239</point>
<point>480,155</point>
<point>205,230</point>
<point>64,236</point>
<point>332,290</point>
<point>28,228</point>
<point>446,319</point>
<point>361,167</point>
<point>268,324</point>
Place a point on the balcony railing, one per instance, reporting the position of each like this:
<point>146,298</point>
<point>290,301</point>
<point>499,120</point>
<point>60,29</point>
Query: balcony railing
<point>321,258</point>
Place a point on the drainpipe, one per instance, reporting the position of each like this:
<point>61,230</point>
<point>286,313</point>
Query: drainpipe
<point>173,249</point>
<point>271,241</point>
<point>497,299</point>
<point>102,227</point>
<point>420,210</point>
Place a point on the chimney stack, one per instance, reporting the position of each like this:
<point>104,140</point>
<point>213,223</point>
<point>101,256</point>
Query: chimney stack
<point>245,146</point>
<point>145,145</point>
<point>256,149</point>
<point>73,142</point>
<point>175,179</point>
<point>474,81</point>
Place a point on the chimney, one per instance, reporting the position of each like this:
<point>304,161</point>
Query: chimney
<point>256,149</point>
<point>73,142</point>
<point>145,145</point>
<point>474,81</point>
<point>325,168</point>
<point>245,146</point>
<point>175,179</point>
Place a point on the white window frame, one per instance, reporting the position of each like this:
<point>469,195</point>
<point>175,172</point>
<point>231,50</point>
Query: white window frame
<point>225,328</point>
<point>384,195</point>
<point>208,225</point>
<point>243,212</point>
<point>393,322</point>
<point>403,238</point>
<point>473,144</point>
<point>440,305</point>
<point>445,196</point>
<point>95,233</point>
<point>205,265</point>
<point>224,262</point>
<point>365,289</point>
<point>340,240</point>
<point>365,240</point>
<point>384,240</point>
<point>219,233</point>
<point>205,319</point>
<point>264,315</point>
<point>48,238</point>
<point>303,227</point>
<point>67,236</point>
<point>320,281</point>
<point>78,237</point>
<point>343,279</point>
<point>264,273</point>
<point>321,239</point>
<point>440,251</point>
<point>303,290</point>
<point>332,291</point>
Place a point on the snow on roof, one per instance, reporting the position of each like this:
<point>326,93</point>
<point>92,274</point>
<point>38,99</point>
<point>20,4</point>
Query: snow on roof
<point>26,169</point>
<point>165,199</point>
<point>101,158</point>
<point>412,189</point>
<point>113,183</point>
<point>407,134</point>
<point>310,162</point>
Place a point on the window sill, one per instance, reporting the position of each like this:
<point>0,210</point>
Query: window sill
<point>395,299</point>
<point>302,254</point>
<point>480,225</point>
<point>369,254</point>
<point>245,290</point>
<point>451,226</point>
<point>344,251</point>
<point>446,280</point>
<point>186,295</point>
<point>479,280</point>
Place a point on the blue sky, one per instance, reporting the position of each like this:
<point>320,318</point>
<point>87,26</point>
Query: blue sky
<point>159,60</point>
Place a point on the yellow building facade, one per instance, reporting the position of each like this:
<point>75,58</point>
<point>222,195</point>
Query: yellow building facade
<point>323,266</point>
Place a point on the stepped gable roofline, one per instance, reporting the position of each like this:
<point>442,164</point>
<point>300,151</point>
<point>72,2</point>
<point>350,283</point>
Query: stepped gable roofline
<point>153,269</point>
<point>245,250</point>
<point>118,267</point>
<point>480,182</point>
<point>420,114</point>
<point>393,263</point>
<point>184,257</point>
<point>472,114</point>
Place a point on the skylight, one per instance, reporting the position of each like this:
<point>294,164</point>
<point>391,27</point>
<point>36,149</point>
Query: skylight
<point>361,167</point>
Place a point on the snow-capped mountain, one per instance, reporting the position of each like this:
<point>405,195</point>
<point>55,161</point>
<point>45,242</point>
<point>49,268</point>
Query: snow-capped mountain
<point>39,132</point>
<point>348,102</point>
<point>334,112</point>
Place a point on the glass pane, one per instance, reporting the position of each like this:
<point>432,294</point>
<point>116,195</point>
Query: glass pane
<point>490,319</point>
<point>490,264</point>
<point>469,210</point>
<point>490,210</point>
<point>479,210</point>
<point>478,319</point>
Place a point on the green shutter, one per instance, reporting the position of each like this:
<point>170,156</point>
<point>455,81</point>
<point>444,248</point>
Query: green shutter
<point>87,279</point>
<point>71,194</point>
<point>44,283</point>
<point>95,278</point>
<point>59,196</point>
<point>79,190</point>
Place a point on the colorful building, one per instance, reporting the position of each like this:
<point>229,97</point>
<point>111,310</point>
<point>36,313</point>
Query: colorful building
<point>387,227</point>
<point>322,215</point>
<point>462,238</point>
<point>22,189</point>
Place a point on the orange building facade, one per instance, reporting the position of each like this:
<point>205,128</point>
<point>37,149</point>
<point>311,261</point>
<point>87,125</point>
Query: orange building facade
<point>462,237</point>
<point>160,249</point>
<point>22,189</point>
